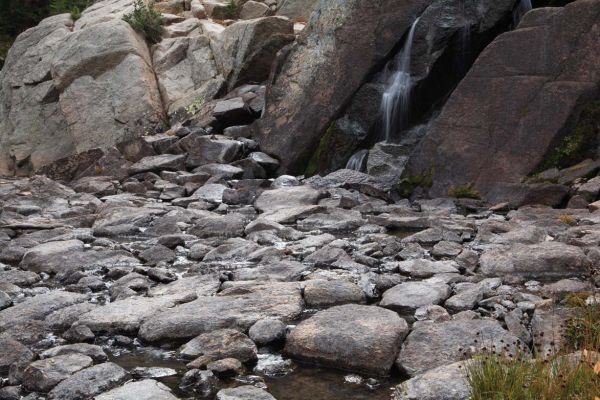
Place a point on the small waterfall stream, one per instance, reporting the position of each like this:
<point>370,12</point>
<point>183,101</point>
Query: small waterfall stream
<point>523,8</point>
<point>358,161</point>
<point>395,101</point>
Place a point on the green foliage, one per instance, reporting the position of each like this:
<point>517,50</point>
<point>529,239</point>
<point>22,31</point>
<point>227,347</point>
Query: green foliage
<point>74,7</point>
<point>580,143</point>
<point>464,192</point>
<point>406,186</point>
<point>145,20</point>
<point>232,9</point>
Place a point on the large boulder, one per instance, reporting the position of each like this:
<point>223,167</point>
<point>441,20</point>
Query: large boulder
<point>363,339</point>
<point>65,91</point>
<point>525,93</point>
<point>245,50</point>
<point>320,73</point>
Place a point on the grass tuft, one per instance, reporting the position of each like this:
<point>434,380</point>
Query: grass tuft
<point>562,376</point>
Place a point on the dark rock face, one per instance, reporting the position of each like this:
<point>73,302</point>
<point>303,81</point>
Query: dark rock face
<point>447,39</point>
<point>322,71</point>
<point>523,95</point>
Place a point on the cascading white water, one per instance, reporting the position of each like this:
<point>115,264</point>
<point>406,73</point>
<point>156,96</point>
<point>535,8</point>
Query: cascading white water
<point>395,101</point>
<point>358,161</point>
<point>523,8</point>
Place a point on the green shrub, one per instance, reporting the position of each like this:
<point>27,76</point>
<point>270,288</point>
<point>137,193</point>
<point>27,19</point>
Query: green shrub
<point>580,143</point>
<point>232,9</point>
<point>464,192</point>
<point>74,7</point>
<point>145,20</point>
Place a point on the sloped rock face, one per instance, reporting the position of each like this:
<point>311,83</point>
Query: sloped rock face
<point>522,96</point>
<point>63,92</point>
<point>245,50</point>
<point>186,70</point>
<point>322,71</point>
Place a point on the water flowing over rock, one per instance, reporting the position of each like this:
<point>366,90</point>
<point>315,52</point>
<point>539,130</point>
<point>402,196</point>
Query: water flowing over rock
<point>396,97</point>
<point>524,94</point>
<point>303,97</point>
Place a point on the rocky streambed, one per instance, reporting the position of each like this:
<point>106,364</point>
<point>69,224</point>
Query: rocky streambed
<point>215,281</point>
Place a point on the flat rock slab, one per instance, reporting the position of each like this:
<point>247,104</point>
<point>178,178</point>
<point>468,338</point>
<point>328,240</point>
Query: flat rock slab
<point>89,382</point>
<point>431,345</point>
<point>362,339</point>
<point>244,393</point>
<point>125,316</point>
<point>544,261</point>
<point>163,162</point>
<point>38,307</point>
<point>90,350</point>
<point>236,308</point>
<point>148,389</point>
<point>448,382</point>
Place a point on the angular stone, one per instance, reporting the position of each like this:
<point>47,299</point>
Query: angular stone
<point>89,382</point>
<point>164,162</point>
<point>43,375</point>
<point>219,344</point>
<point>362,339</point>
<point>406,297</point>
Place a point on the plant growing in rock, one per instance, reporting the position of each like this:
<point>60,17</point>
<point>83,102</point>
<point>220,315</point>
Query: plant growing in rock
<point>232,9</point>
<point>74,7</point>
<point>145,20</point>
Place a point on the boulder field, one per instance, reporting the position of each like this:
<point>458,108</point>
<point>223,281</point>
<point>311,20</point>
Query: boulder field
<point>176,221</point>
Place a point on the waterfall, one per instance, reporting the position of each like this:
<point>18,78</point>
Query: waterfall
<point>395,101</point>
<point>523,8</point>
<point>358,161</point>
